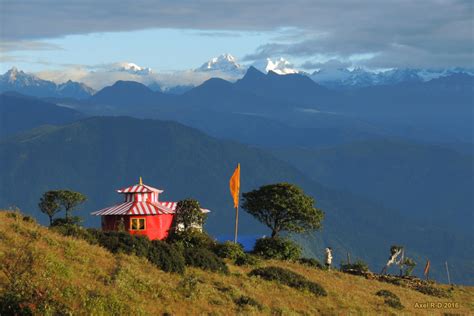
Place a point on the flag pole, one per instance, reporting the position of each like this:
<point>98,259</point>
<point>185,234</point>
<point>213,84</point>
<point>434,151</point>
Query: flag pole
<point>447,272</point>
<point>236,223</point>
<point>234,185</point>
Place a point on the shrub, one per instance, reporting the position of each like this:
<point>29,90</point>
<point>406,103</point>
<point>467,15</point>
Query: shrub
<point>277,248</point>
<point>246,260</point>
<point>192,238</point>
<point>391,299</point>
<point>13,304</point>
<point>124,242</point>
<point>77,232</point>
<point>204,259</point>
<point>289,278</point>
<point>359,267</point>
<point>188,286</point>
<point>311,262</point>
<point>12,215</point>
<point>244,301</point>
<point>229,250</point>
<point>410,265</point>
<point>394,303</point>
<point>73,220</point>
<point>167,257</point>
<point>386,294</point>
<point>28,219</point>
<point>430,290</point>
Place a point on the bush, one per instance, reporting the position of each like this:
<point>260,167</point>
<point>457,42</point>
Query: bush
<point>167,257</point>
<point>13,304</point>
<point>229,250</point>
<point>394,303</point>
<point>244,301</point>
<point>246,260</point>
<point>77,232</point>
<point>391,299</point>
<point>28,219</point>
<point>188,286</point>
<point>311,262</point>
<point>192,238</point>
<point>124,242</point>
<point>73,220</point>
<point>289,278</point>
<point>430,290</point>
<point>205,259</point>
<point>410,264</point>
<point>277,248</point>
<point>359,267</point>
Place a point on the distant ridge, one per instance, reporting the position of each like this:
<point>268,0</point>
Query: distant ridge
<point>19,81</point>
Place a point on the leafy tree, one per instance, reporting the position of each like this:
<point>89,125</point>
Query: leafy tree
<point>49,204</point>
<point>189,214</point>
<point>409,264</point>
<point>283,207</point>
<point>70,200</point>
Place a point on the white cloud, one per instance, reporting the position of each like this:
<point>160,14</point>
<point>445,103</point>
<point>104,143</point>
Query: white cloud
<point>100,76</point>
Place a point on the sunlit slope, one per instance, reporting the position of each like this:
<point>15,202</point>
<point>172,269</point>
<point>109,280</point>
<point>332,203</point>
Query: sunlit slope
<point>86,279</point>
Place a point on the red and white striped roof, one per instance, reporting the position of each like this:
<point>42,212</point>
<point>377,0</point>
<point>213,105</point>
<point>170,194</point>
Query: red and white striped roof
<point>140,188</point>
<point>141,208</point>
<point>135,208</point>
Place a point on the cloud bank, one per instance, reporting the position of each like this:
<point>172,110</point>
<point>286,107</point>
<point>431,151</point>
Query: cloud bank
<point>397,33</point>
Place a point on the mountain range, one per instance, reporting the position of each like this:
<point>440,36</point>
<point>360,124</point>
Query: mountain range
<point>19,81</point>
<point>343,78</point>
<point>417,110</point>
<point>224,66</point>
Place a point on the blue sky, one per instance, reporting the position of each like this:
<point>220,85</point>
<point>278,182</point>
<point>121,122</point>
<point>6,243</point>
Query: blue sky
<point>160,49</point>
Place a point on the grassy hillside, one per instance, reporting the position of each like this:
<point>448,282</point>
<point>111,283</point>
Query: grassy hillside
<point>72,275</point>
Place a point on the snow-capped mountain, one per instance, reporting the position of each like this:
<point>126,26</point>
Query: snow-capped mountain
<point>15,79</point>
<point>72,89</point>
<point>359,77</point>
<point>280,66</point>
<point>19,81</point>
<point>131,68</point>
<point>225,63</point>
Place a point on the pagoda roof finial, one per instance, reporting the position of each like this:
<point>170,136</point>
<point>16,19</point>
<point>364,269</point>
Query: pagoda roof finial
<point>141,181</point>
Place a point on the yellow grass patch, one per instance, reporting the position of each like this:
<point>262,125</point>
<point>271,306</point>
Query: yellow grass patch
<point>87,279</point>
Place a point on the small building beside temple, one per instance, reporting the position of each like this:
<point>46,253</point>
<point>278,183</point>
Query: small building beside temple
<point>141,213</point>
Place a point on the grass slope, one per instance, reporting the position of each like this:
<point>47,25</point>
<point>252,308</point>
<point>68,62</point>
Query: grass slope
<point>87,279</point>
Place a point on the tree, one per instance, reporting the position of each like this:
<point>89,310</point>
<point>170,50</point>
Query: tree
<point>283,207</point>
<point>49,204</point>
<point>189,214</point>
<point>70,200</point>
<point>409,264</point>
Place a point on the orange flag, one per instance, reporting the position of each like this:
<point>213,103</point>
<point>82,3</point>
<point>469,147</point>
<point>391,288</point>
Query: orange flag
<point>234,185</point>
<point>427,267</point>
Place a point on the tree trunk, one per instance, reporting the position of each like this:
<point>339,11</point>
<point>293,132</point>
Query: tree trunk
<point>50,220</point>
<point>274,233</point>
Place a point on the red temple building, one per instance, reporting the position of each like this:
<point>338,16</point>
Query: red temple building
<point>142,213</point>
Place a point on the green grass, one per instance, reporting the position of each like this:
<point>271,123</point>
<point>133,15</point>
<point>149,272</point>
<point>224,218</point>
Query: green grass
<point>49,273</point>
